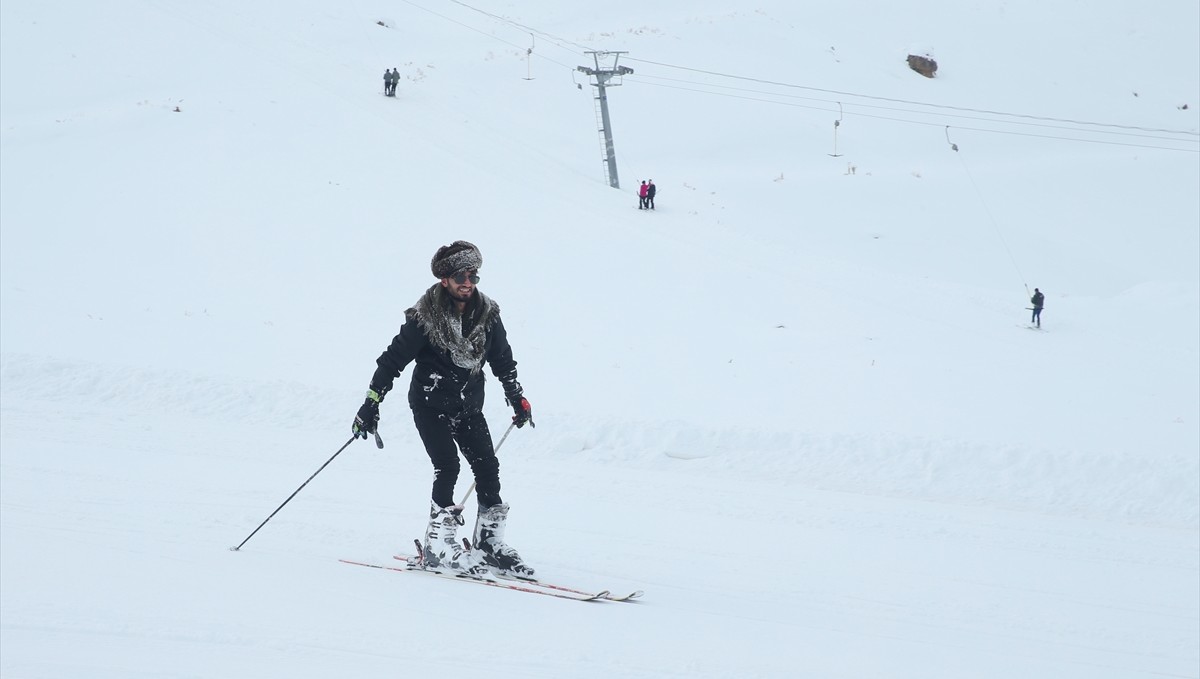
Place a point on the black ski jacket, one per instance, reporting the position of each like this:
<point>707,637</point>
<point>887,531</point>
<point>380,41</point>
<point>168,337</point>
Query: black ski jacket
<point>437,382</point>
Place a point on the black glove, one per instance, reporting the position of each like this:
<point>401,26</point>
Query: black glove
<point>368,416</point>
<point>523,413</point>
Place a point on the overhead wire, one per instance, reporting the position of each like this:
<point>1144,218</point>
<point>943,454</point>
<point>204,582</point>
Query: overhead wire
<point>550,37</point>
<point>895,109</point>
<point>941,110</point>
<point>938,124</point>
<point>522,48</point>
<point>841,93</point>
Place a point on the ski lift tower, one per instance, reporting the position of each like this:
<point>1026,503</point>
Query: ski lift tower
<point>603,78</point>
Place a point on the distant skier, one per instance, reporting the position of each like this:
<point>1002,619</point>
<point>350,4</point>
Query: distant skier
<point>449,333</point>
<point>643,191</point>
<point>650,191</point>
<point>391,78</point>
<point>1038,299</point>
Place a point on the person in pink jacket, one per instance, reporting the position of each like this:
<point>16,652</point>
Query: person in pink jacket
<point>642,199</point>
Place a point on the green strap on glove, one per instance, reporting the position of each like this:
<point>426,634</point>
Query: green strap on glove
<point>367,419</point>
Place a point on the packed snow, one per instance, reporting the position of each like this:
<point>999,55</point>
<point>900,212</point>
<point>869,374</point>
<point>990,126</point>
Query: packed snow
<point>800,404</point>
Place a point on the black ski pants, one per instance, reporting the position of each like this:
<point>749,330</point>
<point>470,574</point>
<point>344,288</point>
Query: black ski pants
<point>444,435</point>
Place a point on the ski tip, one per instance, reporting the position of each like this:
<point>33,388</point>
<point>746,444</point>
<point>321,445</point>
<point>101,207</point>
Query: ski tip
<point>628,597</point>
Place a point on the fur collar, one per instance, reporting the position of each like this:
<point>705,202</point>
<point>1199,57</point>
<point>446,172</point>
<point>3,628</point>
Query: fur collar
<point>445,328</point>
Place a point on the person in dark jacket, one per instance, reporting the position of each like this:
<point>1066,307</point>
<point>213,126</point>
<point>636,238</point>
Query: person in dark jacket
<point>449,334</point>
<point>1037,300</point>
<point>650,191</point>
<point>391,78</point>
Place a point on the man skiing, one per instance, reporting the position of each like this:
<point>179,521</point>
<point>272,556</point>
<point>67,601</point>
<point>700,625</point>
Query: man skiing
<point>650,191</point>
<point>450,332</point>
<point>1037,300</point>
<point>642,191</point>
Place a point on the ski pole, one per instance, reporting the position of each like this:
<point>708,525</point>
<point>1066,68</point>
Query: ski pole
<point>378,441</point>
<point>472,488</point>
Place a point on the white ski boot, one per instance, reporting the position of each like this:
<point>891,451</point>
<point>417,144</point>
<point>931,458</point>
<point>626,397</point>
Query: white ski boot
<point>489,542</point>
<point>442,552</point>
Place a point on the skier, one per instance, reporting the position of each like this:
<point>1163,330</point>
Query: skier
<point>450,331</point>
<point>642,191</point>
<point>650,191</point>
<point>1038,299</point>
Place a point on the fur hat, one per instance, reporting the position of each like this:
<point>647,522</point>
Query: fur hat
<point>457,256</point>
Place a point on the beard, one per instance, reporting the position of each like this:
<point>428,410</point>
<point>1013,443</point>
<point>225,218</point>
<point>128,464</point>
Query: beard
<point>458,296</point>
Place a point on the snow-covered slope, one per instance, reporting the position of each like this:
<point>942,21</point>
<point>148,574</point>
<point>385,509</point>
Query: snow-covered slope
<point>798,403</point>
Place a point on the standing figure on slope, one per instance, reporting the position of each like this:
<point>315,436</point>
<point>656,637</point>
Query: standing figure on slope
<point>642,191</point>
<point>1038,299</point>
<point>450,332</point>
<point>650,191</point>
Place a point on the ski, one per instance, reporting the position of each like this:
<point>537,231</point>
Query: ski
<point>511,585</point>
<point>562,588</point>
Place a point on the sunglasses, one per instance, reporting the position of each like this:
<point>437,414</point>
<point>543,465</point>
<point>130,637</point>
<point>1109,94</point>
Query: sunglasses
<point>463,277</point>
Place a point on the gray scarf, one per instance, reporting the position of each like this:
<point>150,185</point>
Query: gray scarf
<point>444,326</point>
